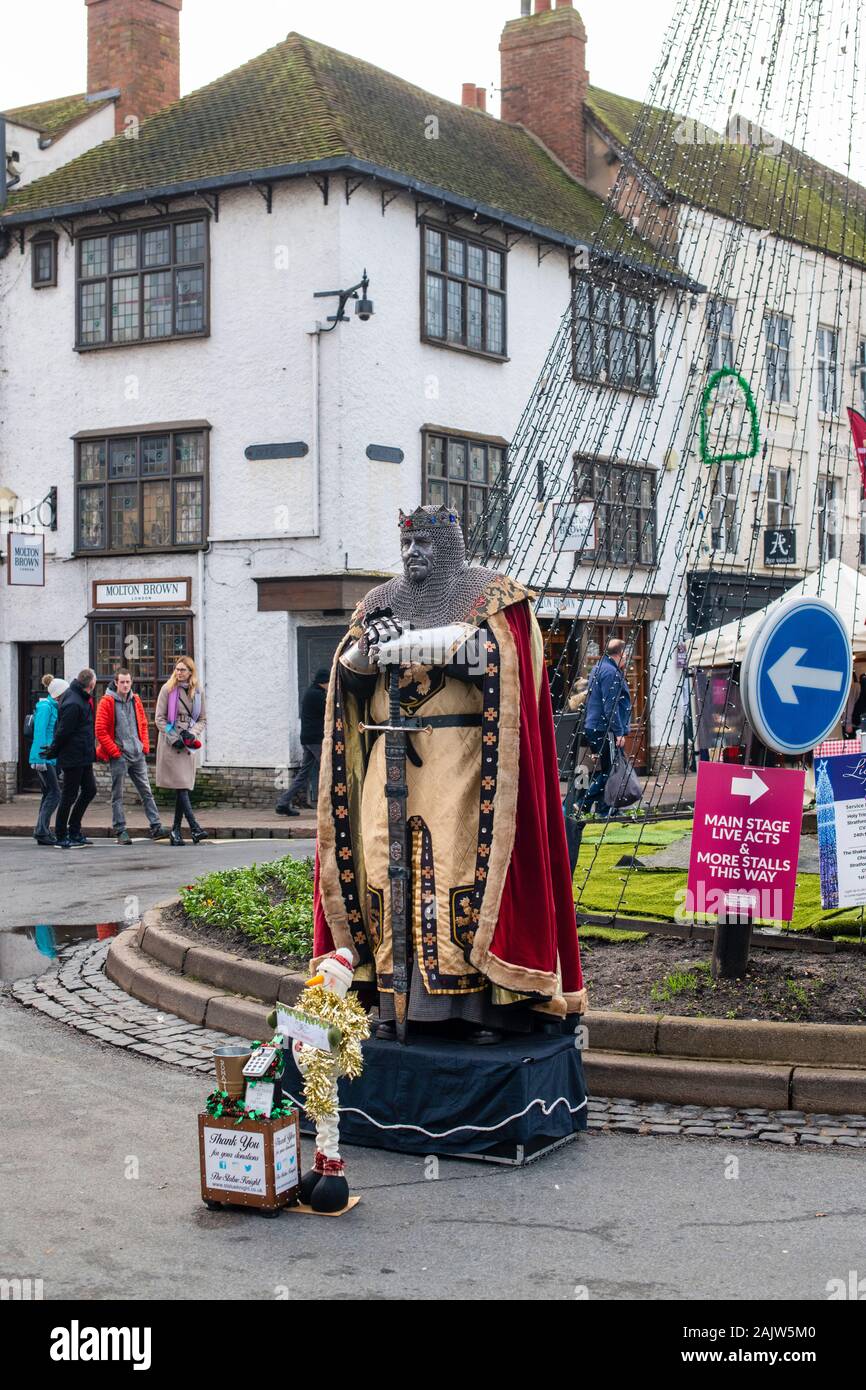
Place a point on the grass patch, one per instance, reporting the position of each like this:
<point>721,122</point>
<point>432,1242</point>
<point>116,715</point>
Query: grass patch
<point>591,933</point>
<point>677,982</point>
<point>658,894</point>
<point>620,832</point>
<point>798,994</point>
<point>272,903</point>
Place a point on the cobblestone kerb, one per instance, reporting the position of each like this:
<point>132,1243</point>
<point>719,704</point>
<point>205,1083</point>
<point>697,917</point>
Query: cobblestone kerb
<point>78,994</point>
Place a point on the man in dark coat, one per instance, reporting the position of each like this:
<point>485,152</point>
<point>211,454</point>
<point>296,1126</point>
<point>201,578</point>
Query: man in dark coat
<point>74,747</point>
<point>608,717</point>
<point>312,736</point>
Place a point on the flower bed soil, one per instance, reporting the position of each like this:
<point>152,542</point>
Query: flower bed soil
<point>664,975</point>
<point>658,975</point>
<point>174,918</point>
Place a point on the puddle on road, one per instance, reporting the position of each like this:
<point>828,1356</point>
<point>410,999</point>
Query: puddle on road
<point>29,951</point>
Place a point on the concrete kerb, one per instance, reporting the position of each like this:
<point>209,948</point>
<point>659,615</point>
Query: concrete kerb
<point>740,1040</point>
<point>686,1081</point>
<point>811,1066</point>
<point>232,974</point>
<point>215,989</point>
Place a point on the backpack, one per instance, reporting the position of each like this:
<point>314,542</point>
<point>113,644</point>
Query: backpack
<point>29,727</point>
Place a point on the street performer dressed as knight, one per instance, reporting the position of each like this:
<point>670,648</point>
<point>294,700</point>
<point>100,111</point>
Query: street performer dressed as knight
<point>439,803</point>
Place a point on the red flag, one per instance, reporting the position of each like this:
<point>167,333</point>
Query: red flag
<point>858,429</point>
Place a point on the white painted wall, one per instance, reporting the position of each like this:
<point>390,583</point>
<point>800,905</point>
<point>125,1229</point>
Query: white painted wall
<point>35,163</point>
<point>812,290</point>
<point>252,380</point>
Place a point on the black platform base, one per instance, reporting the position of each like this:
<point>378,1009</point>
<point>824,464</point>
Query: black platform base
<point>506,1103</point>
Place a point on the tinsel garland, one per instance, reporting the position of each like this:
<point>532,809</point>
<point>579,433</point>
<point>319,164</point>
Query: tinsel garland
<point>221,1105</point>
<point>321,1069</point>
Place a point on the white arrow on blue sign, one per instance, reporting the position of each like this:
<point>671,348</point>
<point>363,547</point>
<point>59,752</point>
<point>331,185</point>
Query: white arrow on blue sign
<point>796,675</point>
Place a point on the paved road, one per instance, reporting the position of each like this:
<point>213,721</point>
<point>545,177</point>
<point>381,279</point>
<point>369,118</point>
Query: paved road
<point>78,887</point>
<point>621,1216</point>
<point>625,1217</point>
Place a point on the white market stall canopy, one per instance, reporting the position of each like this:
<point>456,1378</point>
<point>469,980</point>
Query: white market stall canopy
<point>840,585</point>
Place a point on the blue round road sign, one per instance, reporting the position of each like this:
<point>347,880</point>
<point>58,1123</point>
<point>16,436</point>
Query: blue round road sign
<point>796,675</point>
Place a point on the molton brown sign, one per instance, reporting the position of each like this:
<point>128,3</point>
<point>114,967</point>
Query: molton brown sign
<point>135,593</point>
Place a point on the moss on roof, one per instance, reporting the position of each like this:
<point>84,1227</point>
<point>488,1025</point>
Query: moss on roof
<point>301,102</point>
<point>52,118</point>
<point>779,188</point>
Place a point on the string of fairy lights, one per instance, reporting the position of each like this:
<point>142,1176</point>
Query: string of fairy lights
<point>698,210</point>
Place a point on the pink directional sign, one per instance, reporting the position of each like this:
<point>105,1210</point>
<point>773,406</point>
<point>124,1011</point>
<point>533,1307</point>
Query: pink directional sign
<point>745,842</point>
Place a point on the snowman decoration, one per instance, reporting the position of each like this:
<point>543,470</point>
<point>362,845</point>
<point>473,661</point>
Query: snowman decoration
<point>326,997</point>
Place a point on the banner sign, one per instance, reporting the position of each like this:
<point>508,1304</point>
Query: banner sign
<point>25,559</point>
<point>286,1149</point>
<point>292,1023</point>
<point>858,430</point>
<point>745,842</point>
<point>840,785</point>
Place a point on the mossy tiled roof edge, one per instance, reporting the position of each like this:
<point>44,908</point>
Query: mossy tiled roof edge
<point>304,108</point>
<point>53,118</point>
<point>774,187</point>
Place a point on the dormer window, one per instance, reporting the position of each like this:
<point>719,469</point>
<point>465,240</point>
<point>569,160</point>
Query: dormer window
<point>43,260</point>
<point>142,283</point>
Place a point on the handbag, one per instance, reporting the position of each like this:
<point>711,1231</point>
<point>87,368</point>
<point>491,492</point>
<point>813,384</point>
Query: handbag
<point>623,786</point>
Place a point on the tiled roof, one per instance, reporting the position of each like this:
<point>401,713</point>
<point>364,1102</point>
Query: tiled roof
<point>303,103</point>
<point>784,189</point>
<point>52,118</point>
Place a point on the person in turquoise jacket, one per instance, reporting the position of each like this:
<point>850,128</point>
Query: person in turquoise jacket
<point>44,721</point>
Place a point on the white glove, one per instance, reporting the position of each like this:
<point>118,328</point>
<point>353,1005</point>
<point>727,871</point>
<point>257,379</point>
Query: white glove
<point>432,646</point>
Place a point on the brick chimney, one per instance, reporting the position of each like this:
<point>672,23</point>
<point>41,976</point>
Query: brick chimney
<point>134,45</point>
<point>544,78</point>
<point>474,96</point>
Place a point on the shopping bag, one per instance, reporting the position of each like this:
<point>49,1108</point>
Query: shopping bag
<point>623,787</point>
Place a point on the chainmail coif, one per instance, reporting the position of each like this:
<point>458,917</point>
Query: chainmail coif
<point>450,590</point>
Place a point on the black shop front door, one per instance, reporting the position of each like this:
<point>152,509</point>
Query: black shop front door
<point>35,660</point>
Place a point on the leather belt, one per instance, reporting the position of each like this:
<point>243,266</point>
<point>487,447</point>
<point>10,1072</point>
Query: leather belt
<point>433,721</point>
<point>453,721</point>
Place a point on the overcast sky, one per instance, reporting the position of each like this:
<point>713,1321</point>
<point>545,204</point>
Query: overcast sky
<point>437,45</point>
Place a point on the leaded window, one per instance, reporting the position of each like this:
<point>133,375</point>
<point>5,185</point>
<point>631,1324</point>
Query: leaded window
<point>141,491</point>
<point>469,475</point>
<point>143,284</point>
<point>463,292</point>
<point>148,646</point>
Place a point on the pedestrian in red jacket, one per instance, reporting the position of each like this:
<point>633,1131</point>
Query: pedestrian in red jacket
<point>123,741</point>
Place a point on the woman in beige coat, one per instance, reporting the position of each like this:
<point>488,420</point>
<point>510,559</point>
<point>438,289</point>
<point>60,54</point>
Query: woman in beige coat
<point>180,719</point>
